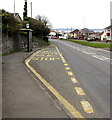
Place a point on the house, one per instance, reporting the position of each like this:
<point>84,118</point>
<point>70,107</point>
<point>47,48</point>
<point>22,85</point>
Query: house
<point>99,35</point>
<point>103,36</point>
<point>96,35</point>
<point>17,17</point>
<point>53,34</point>
<point>75,34</point>
<point>86,32</point>
<point>107,35</point>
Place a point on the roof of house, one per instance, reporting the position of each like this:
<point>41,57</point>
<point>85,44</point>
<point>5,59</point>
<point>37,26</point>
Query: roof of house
<point>75,31</point>
<point>109,27</point>
<point>86,30</point>
<point>100,33</point>
<point>54,31</point>
<point>17,15</point>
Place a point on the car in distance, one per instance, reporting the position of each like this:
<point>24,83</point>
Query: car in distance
<point>90,39</point>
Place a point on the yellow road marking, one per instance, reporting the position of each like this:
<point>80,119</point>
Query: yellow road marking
<point>67,68</point>
<point>74,80</point>
<point>48,55</point>
<point>68,106</point>
<point>37,58</point>
<point>70,73</point>
<point>34,58</point>
<point>42,58</point>
<point>79,91</point>
<point>50,58</point>
<point>64,61</point>
<point>87,107</point>
<point>66,64</point>
<point>57,58</point>
<point>46,58</point>
<point>53,59</point>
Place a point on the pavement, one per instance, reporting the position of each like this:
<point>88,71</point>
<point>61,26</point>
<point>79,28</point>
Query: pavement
<point>23,95</point>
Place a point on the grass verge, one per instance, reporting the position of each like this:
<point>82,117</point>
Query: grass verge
<point>92,44</point>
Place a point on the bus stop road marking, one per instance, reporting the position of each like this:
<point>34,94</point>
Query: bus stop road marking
<point>67,105</point>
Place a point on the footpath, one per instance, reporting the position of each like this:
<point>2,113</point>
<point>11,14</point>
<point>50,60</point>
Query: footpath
<point>22,96</point>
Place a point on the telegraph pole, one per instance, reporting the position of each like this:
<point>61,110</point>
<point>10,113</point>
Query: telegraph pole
<point>31,9</point>
<point>111,18</point>
<point>14,8</point>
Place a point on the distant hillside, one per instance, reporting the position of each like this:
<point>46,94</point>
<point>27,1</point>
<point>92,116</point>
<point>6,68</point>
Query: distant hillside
<point>71,29</point>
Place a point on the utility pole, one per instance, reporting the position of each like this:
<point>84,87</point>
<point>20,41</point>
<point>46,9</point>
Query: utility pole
<point>31,9</point>
<point>111,18</point>
<point>71,29</point>
<point>14,8</point>
<point>84,22</point>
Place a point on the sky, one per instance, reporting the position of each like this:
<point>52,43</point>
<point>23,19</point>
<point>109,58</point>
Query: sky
<point>92,14</point>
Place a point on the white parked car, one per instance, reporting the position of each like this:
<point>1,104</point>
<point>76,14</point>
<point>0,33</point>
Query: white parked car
<point>65,36</point>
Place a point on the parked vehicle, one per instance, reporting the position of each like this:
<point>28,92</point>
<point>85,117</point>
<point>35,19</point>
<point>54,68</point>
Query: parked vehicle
<point>65,36</point>
<point>90,39</point>
<point>62,37</point>
<point>54,37</point>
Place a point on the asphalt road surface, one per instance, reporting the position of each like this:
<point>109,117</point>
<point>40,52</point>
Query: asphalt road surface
<point>92,68</point>
<point>80,74</point>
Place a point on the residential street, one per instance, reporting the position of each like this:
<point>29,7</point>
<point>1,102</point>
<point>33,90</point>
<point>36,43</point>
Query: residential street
<point>80,74</point>
<point>68,81</point>
<point>54,64</point>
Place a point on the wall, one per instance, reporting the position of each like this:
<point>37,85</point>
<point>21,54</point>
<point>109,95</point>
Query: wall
<point>18,42</point>
<point>13,43</point>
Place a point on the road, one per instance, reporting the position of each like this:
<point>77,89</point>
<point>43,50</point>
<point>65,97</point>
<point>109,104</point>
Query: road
<point>80,74</point>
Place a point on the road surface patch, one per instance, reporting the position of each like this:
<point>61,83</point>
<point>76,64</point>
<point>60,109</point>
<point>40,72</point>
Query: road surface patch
<point>87,107</point>
<point>88,51</point>
<point>79,91</point>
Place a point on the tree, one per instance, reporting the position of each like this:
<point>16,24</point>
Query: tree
<point>44,19</point>
<point>25,11</point>
<point>9,23</point>
<point>38,27</point>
